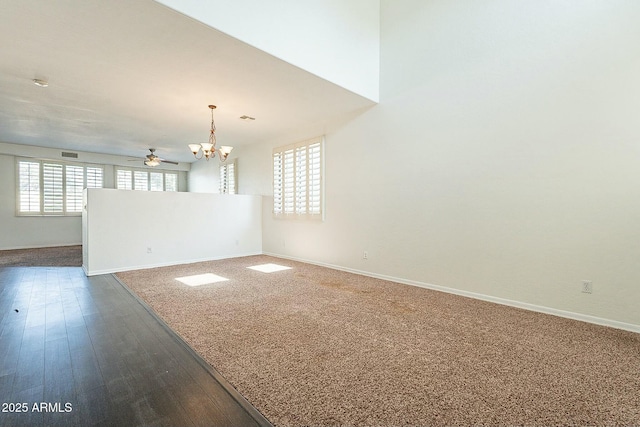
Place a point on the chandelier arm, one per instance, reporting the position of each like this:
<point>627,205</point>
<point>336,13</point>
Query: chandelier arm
<point>212,140</point>
<point>212,134</point>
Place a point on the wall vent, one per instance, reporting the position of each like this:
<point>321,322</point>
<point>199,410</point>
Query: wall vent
<point>71,155</point>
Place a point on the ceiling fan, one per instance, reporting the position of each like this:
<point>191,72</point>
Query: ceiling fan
<point>152,160</point>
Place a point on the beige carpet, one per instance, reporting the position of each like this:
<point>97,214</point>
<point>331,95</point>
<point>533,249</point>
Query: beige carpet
<point>60,256</point>
<point>315,346</point>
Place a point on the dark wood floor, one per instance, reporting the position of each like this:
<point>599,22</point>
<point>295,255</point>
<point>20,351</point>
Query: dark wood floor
<point>95,356</point>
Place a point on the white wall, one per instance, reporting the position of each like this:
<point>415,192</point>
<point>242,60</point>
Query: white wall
<point>502,159</point>
<point>127,230</point>
<point>18,232</point>
<point>204,176</point>
<point>333,39</point>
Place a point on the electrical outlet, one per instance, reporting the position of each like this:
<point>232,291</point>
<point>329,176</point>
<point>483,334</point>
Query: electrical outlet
<point>365,255</point>
<point>149,249</point>
<point>587,286</point>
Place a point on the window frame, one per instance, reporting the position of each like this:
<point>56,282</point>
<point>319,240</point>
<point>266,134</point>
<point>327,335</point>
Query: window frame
<point>298,180</point>
<point>65,188</point>
<point>138,171</point>
<point>225,187</point>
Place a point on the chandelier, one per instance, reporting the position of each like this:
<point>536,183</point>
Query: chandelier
<point>208,149</point>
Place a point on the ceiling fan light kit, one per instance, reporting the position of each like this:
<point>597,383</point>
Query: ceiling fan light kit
<point>152,160</point>
<point>208,150</point>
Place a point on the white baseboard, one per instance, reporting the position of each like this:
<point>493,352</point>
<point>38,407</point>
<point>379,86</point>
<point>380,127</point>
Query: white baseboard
<point>503,301</point>
<point>13,248</point>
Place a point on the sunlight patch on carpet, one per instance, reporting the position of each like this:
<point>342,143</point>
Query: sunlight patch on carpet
<point>201,279</point>
<point>269,268</point>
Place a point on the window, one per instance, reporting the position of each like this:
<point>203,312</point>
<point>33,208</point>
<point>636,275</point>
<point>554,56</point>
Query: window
<point>29,176</point>
<point>140,180</point>
<point>95,177</point>
<point>75,184</point>
<point>170,182</point>
<point>156,181</point>
<point>132,179</point>
<point>52,188</point>
<point>123,180</point>
<point>297,180</point>
<point>228,178</point>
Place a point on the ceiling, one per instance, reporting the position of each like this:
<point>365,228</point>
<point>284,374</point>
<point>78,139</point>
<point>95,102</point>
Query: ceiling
<point>128,75</point>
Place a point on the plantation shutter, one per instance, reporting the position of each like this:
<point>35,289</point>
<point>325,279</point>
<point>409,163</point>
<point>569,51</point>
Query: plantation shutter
<point>29,182</point>
<point>170,182</point>
<point>53,188</point>
<point>289,185</point>
<point>156,181</point>
<point>315,178</point>
<point>278,183</point>
<point>231,178</point>
<point>95,177</point>
<point>145,181</point>
<point>123,180</point>
<point>48,188</point>
<point>74,180</point>
<point>140,180</point>
<point>301,180</point>
<point>228,178</point>
<point>297,179</point>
